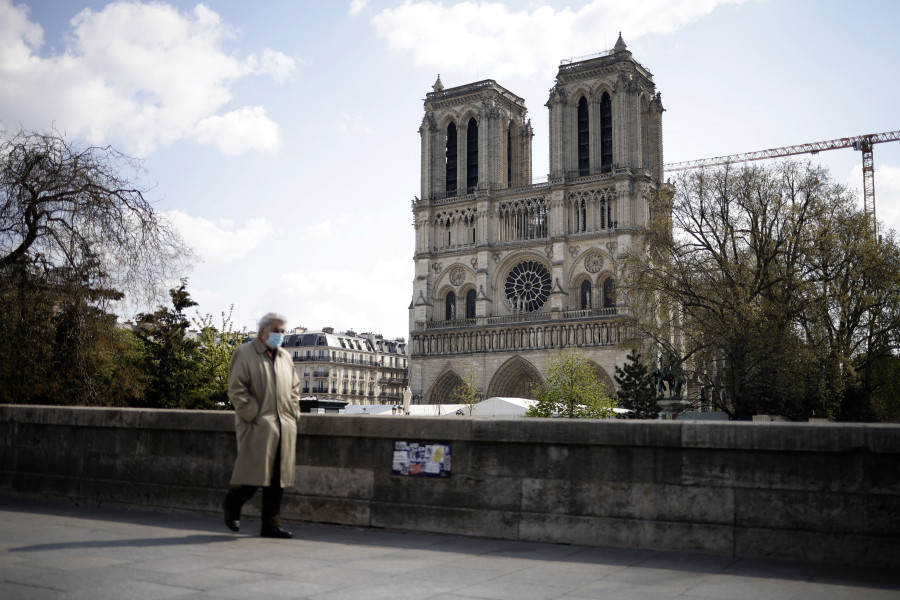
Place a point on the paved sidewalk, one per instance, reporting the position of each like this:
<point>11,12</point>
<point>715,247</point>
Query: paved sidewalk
<point>60,551</point>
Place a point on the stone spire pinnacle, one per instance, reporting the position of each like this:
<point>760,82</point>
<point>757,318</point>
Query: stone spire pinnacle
<point>620,44</point>
<point>438,86</point>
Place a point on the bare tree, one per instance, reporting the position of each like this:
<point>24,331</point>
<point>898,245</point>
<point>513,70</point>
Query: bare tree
<point>66,207</point>
<point>767,284</point>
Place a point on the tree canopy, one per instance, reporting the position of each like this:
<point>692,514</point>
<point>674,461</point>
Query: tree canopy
<point>573,390</point>
<point>769,285</point>
<point>76,235</point>
<point>74,211</point>
<point>637,392</point>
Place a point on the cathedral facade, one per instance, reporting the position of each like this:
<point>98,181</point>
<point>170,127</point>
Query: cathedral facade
<point>508,271</point>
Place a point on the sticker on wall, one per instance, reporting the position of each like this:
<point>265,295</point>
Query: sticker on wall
<point>421,459</point>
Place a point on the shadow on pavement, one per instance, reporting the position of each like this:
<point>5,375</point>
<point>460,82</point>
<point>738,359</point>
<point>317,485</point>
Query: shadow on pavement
<point>137,543</point>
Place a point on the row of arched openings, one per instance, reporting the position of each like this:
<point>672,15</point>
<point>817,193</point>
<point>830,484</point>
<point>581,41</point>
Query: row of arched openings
<point>607,299</point>
<point>452,158</point>
<point>607,290</point>
<point>516,378</point>
<point>450,306</point>
<point>584,140</point>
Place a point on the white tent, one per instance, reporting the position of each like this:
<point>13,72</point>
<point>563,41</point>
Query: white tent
<point>435,410</point>
<point>416,410</point>
<point>502,407</point>
<point>367,409</point>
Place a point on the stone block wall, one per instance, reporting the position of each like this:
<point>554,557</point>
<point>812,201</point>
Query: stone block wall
<point>815,491</point>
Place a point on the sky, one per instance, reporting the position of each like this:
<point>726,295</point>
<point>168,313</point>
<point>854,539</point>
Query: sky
<point>281,137</point>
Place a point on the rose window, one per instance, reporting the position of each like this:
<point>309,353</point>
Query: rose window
<point>528,286</point>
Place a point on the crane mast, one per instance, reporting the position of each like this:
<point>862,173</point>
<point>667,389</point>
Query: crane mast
<point>862,143</point>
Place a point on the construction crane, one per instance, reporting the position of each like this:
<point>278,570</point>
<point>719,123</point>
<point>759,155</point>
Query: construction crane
<point>862,143</point>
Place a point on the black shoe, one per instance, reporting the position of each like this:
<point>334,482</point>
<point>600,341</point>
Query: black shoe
<point>232,520</point>
<point>274,531</point>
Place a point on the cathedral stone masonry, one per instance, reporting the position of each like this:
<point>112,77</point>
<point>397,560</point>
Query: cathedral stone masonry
<point>509,271</point>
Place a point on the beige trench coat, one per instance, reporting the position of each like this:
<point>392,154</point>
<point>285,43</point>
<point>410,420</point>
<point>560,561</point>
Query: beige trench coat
<point>266,396</point>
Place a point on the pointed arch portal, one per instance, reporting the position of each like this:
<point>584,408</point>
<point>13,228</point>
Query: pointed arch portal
<point>516,378</point>
<point>444,389</point>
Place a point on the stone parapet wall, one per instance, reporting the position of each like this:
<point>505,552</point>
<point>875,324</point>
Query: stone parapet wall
<point>814,491</point>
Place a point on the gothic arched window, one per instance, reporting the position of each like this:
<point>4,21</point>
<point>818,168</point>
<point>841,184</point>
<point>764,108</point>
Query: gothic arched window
<point>470,304</point>
<point>609,293</point>
<point>645,134</point>
<point>606,151</point>
<point>472,155</point>
<point>450,306</point>
<point>584,141</point>
<point>451,160</point>
<point>509,156</point>
<point>585,294</point>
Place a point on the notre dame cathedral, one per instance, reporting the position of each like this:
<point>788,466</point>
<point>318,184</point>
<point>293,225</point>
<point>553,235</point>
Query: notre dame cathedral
<point>507,270</point>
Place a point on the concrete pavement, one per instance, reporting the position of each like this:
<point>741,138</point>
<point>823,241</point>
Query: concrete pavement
<point>50,551</point>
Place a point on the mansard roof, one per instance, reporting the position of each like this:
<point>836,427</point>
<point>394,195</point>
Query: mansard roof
<point>344,341</point>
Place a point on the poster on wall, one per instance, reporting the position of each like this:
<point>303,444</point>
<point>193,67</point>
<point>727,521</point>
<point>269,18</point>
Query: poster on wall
<point>421,459</point>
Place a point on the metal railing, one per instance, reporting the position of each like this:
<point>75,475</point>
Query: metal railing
<point>577,59</point>
<point>347,361</point>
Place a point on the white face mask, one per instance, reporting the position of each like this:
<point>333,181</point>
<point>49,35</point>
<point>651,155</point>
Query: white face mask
<point>274,340</point>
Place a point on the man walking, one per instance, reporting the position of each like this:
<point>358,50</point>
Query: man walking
<point>265,391</point>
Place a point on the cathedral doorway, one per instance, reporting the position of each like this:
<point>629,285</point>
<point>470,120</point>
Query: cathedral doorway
<point>601,374</point>
<point>444,389</point>
<point>516,378</point>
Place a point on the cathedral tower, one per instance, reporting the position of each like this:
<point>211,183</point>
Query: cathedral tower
<point>507,271</point>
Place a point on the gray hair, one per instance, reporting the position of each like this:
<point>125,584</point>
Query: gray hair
<point>268,318</point>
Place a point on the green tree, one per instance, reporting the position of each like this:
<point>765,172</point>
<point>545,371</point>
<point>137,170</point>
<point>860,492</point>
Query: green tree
<point>573,390</point>
<point>636,389</point>
<point>65,348</point>
<point>170,363</point>
<point>213,358</point>
<point>466,392</point>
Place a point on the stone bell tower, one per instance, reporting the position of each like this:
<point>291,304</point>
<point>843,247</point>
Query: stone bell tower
<point>604,116</point>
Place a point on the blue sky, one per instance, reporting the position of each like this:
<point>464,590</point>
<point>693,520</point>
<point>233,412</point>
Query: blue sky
<point>281,137</point>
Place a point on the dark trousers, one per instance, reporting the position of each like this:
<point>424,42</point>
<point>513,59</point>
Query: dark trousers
<point>271,496</point>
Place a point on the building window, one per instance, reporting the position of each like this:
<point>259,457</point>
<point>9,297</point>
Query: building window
<point>472,156</point>
<point>585,294</point>
<point>584,138</point>
<point>451,160</point>
<point>509,157</point>
<point>528,286</point>
<point>449,309</point>
<point>470,304</point>
<point>609,293</point>
<point>605,133</point>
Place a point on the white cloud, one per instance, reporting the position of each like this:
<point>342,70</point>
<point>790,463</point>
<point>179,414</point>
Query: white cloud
<point>887,194</point>
<point>331,227</point>
<point>221,242</point>
<point>138,75</point>
<point>346,298</point>
<point>353,123</point>
<point>276,64</point>
<point>494,38</point>
<point>357,6</point>
<point>240,130</point>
